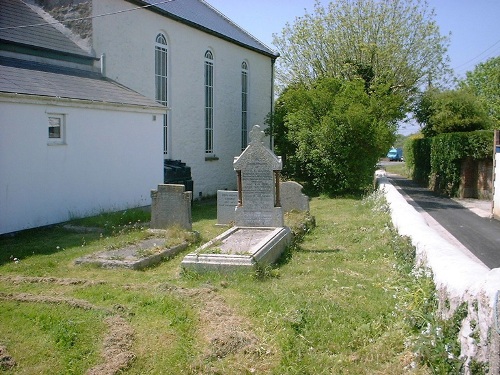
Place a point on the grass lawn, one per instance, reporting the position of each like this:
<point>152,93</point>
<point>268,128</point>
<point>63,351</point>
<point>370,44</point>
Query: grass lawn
<point>397,168</point>
<point>332,305</point>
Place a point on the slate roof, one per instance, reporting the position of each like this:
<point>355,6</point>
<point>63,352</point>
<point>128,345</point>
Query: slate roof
<point>15,13</point>
<point>201,15</point>
<point>37,79</point>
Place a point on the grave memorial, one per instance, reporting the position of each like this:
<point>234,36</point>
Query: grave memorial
<point>171,205</point>
<point>227,200</point>
<point>292,198</point>
<point>259,235</point>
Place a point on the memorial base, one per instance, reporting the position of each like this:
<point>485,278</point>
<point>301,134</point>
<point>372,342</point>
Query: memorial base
<point>239,248</point>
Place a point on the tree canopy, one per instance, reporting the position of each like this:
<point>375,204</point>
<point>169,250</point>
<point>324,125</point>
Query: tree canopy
<point>451,111</point>
<point>395,42</point>
<point>484,82</point>
<point>332,133</point>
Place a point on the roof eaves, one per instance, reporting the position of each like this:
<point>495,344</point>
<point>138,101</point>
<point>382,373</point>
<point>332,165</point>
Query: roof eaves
<point>202,28</point>
<point>4,43</point>
<point>60,100</point>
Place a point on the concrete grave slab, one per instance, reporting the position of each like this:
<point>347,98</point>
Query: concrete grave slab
<point>135,256</point>
<point>238,248</point>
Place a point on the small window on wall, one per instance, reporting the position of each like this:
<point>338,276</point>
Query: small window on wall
<point>56,129</point>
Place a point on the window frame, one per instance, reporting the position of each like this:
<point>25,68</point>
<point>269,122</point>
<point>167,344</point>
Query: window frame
<point>61,139</point>
<point>209,68</point>
<point>161,83</point>
<point>244,105</point>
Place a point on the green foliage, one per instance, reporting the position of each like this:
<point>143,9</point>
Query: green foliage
<point>437,160</point>
<point>417,152</point>
<point>332,133</point>
<point>389,42</point>
<point>484,82</point>
<point>451,111</point>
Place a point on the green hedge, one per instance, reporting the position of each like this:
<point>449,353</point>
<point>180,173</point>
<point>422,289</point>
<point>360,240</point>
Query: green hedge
<point>417,154</point>
<point>436,161</point>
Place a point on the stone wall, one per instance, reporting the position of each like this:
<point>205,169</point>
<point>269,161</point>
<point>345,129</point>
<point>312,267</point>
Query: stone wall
<point>476,179</point>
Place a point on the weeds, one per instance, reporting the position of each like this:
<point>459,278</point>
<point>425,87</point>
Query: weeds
<point>343,299</point>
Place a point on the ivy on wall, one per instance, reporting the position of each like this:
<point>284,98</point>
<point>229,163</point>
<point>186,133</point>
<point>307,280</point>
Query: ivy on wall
<point>436,161</point>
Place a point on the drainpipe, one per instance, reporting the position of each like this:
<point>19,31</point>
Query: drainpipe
<point>271,143</point>
<point>103,65</point>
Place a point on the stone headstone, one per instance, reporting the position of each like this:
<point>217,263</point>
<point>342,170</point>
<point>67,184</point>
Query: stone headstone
<point>292,197</point>
<point>171,205</point>
<point>227,200</point>
<point>258,185</point>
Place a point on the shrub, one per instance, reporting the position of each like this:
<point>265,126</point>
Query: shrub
<point>436,161</point>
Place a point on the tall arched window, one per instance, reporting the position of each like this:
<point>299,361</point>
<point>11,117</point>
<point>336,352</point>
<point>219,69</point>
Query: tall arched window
<point>209,102</point>
<point>161,81</point>
<point>244,105</point>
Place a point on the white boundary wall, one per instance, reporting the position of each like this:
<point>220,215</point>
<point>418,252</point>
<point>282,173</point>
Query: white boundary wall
<point>457,277</point>
<point>496,183</point>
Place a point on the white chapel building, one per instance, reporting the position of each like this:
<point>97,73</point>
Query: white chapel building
<point>214,77</point>
<point>89,130</point>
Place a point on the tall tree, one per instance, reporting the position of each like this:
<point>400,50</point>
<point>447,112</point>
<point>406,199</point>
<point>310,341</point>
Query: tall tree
<point>451,111</point>
<point>395,42</point>
<point>332,132</point>
<point>484,82</point>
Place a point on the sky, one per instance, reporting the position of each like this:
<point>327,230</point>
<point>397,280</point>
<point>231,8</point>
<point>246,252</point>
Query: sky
<point>474,25</point>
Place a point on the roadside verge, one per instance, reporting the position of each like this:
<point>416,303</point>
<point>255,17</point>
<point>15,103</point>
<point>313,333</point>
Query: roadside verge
<point>458,280</point>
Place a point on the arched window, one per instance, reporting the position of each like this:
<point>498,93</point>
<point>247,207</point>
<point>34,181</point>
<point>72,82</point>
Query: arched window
<point>161,81</point>
<point>244,105</point>
<point>209,102</point>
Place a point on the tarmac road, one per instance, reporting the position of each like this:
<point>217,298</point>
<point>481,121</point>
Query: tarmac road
<point>481,236</point>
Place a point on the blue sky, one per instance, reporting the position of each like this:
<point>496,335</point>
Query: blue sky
<point>474,25</point>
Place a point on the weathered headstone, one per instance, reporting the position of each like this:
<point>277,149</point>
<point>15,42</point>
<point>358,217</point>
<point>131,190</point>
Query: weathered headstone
<point>170,205</point>
<point>259,235</point>
<point>292,197</point>
<point>257,171</point>
<point>227,200</point>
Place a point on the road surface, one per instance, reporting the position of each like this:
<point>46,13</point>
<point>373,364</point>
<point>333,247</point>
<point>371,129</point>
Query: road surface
<point>481,236</point>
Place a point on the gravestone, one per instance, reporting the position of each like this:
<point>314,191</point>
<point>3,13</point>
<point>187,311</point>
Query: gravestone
<point>171,205</point>
<point>259,235</point>
<point>227,200</point>
<point>257,171</point>
<point>292,197</point>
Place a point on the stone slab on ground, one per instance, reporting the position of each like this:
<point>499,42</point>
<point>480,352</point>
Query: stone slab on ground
<point>137,256</point>
<point>240,247</point>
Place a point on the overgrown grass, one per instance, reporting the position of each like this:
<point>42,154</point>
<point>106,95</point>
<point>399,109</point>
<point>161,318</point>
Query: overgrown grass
<point>338,302</point>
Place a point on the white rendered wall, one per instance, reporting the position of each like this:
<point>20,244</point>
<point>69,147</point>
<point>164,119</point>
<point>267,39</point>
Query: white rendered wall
<point>128,43</point>
<point>496,187</point>
<point>111,160</point>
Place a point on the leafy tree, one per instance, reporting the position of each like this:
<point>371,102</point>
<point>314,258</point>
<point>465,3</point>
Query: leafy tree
<point>332,132</point>
<point>451,111</point>
<point>394,42</point>
<point>484,82</point>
